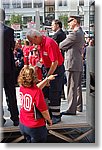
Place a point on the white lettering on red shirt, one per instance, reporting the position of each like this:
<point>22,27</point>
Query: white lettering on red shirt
<point>26,101</point>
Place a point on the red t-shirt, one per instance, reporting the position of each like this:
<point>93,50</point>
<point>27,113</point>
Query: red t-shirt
<point>31,47</point>
<point>50,52</point>
<point>26,50</point>
<point>33,60</point>
<point>28,97</point>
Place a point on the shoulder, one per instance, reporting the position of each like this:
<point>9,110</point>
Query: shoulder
<point>36,88</point>
<point>59,32</point>
<point>38,91</point>
<point>72,34</point>
<point>8,28</point>
<point>80,32</point>
<point>50,41</point>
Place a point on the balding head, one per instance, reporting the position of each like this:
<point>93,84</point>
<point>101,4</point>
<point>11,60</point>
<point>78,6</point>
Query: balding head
<point>33,32</point>
<point>34,36</point>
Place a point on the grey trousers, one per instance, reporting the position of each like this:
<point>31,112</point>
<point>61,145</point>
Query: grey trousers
<point>74,91</point>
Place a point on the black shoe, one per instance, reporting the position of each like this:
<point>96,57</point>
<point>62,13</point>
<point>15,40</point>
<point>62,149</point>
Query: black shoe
<point>55,120</point>
<point>67,113</point>
<point>16,122</point>
<point>3,122</point>
<point>63,96</point>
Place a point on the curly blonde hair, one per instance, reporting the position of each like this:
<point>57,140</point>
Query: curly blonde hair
<point>27,76</point>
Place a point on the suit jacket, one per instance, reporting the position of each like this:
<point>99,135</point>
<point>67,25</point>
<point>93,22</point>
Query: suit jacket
<point>59,36</point>
<point>8,47</point>
<point>73,46</point>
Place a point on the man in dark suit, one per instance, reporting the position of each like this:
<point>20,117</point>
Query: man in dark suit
<point>59,36</point>
<point>73,46</point>
<point>9,69</point>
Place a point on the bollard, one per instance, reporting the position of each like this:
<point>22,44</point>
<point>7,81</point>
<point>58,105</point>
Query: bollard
<point>90,85</point>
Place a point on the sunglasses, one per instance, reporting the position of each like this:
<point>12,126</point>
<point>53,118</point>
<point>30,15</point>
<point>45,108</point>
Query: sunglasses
<point>70,20</point>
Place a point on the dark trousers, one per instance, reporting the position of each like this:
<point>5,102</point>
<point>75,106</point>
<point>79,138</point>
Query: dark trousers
<point>34,135</point>
<point>10,92</point>
<point>53,93</point>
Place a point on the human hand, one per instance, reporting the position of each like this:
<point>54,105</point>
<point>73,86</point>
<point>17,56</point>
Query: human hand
<point>39,64</point>
<point>49,122</point>
<point>48,83</point>
<point>51,77</point>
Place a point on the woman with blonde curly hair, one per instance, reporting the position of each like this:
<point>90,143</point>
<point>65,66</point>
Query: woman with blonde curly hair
<point>33,112</point>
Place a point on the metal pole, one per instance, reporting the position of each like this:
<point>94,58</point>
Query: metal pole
<point>78,10</point>
<point>89,19</point>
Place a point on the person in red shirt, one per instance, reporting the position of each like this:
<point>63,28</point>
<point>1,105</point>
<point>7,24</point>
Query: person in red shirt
<point>26,51</point>
<point>19,41</point>
<point>33,112</point>
<point>53,61</point>
<point>34,60</point>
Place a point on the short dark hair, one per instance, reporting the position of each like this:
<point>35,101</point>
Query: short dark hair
<point>58,22</point>
<point>2,14</point>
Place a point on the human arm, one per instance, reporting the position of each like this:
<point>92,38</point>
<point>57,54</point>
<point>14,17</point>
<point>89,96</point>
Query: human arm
<point>43,83</point>
<point>52,68</point>
<point>46,116</point>
<point>68,42</point>
<point>42,106</point>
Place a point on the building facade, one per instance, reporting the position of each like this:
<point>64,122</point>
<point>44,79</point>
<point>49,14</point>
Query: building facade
<point>49,10</point>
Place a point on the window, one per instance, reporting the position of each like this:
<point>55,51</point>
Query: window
<point>82,20</point>
<point>37,4</point>
<point>81,2</point>
<point>16,3</point>
<point>6,4</point>
<point>27,3</point>
<point>49,11</point>
<point>27,19</point>
<point>60,3</point>
<point>92,19</point>
<point>49,17</point>
<point>92,13</point>
<point>64,3</point>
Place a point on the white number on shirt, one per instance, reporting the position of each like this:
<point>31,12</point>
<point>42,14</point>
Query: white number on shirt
<point>26,101</point>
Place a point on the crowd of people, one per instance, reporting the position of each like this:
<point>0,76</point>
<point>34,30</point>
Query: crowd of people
<point>41,67</point>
